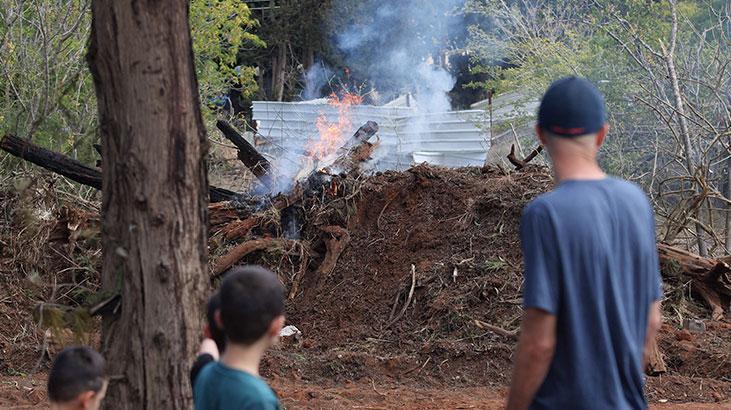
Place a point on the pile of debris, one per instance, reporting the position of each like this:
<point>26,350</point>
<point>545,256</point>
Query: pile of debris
<point>426,260</point>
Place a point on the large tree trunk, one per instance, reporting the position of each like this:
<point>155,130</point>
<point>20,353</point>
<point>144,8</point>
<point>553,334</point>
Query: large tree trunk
<point>154,198</point>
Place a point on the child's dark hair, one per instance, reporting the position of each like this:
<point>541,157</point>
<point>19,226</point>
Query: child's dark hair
<point>251,298</point>
<point>217,334</point>
<point>75,370</point>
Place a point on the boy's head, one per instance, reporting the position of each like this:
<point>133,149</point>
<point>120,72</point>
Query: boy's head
<point>213,331</point>
<point>77,379</point>
<point>252,306</point>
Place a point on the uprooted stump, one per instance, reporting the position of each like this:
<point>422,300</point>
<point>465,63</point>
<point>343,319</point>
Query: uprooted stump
<point>710,278</point>
<point>337,238</point>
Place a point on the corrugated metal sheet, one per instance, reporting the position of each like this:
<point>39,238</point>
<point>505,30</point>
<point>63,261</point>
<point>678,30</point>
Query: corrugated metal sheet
<point>455,139</point>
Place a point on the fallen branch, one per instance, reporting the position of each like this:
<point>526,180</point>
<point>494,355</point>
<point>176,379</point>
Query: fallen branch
<point>497,330</point>
<point>520,164</point>
<point>238,252</point>
<point>75,170</point>
<point>233,227</point>
<point>239,229</point>
<point>52,161</point>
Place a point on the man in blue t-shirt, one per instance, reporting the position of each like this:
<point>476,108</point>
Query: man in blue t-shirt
<point>592,285</point>
<point>252,315</point>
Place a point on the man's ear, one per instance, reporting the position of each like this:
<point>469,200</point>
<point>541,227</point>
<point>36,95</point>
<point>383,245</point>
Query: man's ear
<point>276,326</point>
<point>86,399</point>
<point>207,332</point>
<point>541,135</point>
<point>217,318</point>
<point>602,134</point>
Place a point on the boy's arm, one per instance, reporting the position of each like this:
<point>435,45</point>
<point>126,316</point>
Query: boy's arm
<point>207,353</point>
<point>200,361</point>
<point>535,351</point>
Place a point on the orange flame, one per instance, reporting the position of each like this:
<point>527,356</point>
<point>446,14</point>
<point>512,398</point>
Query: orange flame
<point>332,135</point>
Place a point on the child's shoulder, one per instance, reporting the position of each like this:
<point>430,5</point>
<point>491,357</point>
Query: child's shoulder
<point>242,389</point>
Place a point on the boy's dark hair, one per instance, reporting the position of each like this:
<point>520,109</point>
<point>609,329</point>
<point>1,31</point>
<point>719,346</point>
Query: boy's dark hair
<point>251,298</point>
<point>217,334</point>
<point>76,370</point>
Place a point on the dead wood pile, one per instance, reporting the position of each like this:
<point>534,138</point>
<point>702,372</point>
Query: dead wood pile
<point>463,221</point>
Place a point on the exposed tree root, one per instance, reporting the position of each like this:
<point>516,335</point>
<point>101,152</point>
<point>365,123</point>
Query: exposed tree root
<point>710,278</point>
<point>240,251</point>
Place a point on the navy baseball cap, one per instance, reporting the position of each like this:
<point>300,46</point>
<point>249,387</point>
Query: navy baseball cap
<point>572,106</point>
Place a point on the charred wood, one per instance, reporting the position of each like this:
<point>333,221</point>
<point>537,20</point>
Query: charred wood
<point>253,160</point>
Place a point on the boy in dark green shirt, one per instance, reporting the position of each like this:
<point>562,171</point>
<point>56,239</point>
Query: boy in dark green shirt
<point>251,314</point>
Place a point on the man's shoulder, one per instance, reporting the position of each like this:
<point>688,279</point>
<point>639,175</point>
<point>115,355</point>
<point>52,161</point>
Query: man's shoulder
<point>573,193</point>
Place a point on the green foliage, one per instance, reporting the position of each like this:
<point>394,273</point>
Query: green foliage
<point>220,28</point>
<point>45,88</point>
<point>46,91</point>
<point>627,48</point>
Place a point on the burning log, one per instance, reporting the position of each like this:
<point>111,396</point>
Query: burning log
<point>253,160</point>
<point>710,278</point>
<point>73,169</point>
<point>358,148</point>
<point>235,227</point>
<point>521,163</point>
<point>366,131</point>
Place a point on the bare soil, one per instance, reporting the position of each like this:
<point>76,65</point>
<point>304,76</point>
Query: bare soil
<point>459,229</point>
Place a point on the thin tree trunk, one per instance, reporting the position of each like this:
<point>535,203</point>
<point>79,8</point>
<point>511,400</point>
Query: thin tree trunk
<point>154,198</point>
<point>690,156</point>
<point>279,74</point>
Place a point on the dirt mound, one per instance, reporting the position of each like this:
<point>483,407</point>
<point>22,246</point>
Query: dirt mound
<point>459,229</point>
<point>370,317</point>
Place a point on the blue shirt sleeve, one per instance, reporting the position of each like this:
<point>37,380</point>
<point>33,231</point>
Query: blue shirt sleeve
<point>542,278</point>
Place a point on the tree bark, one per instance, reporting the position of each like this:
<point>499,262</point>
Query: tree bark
<point>153,198</point>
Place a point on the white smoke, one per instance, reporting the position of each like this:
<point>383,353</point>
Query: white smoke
<point>399,46</point>
<point>316,77</point>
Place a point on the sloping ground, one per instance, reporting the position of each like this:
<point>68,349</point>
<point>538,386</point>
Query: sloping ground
<point>459,229</point>
<point>374,333</point>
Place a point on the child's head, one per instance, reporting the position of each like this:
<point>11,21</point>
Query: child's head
<point>77,379</point>
<point>252,306</point>
<point>213,331</point>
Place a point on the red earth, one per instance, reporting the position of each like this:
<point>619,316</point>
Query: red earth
<point>366,343</point>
